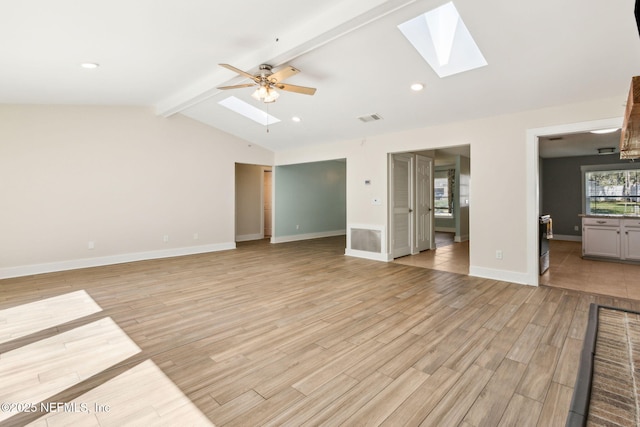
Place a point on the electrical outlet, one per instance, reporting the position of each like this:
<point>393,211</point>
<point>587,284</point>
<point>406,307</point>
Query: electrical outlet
<point>91,245</point>
<point>498,254</point>
<point>165,238</point>
<point>576,228</point>
<point>195,236</point>
<point>298,227</point>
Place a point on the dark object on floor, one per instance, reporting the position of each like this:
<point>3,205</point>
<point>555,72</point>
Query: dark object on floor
<point>605,391</point>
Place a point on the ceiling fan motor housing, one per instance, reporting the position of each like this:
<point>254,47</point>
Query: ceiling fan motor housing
<point>265,70</point>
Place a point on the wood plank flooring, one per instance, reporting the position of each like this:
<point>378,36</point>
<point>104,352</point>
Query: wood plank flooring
<point>299,334</point>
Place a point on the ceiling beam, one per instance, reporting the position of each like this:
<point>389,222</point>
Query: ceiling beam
<point>311,34</point>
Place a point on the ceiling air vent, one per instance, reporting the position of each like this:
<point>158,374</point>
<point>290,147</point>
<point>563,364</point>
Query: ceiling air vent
<point>370,118</point>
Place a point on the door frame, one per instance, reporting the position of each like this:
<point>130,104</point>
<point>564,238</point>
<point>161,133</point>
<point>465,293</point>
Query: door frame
<point>531,277</point>
<point>413,194</point>
<point>263,226</point>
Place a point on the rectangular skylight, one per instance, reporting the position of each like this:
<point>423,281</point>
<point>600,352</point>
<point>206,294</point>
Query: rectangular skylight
<point>444,41</point>
<point>248,110</point>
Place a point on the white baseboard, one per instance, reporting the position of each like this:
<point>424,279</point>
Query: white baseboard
<point>368,255</point>
<point>567,238</point>
<point>307,236</point>
<point>28,270</point>
<point>502,275</point>
<point>248,237</point>
<point>445,229</point>
<point>460,239</point>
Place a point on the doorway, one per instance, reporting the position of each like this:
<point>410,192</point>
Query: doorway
<point>410,203</point>
<point>253,194</point>
<point>449,251</point>
<point>533,207</point>
<point>268,205</point>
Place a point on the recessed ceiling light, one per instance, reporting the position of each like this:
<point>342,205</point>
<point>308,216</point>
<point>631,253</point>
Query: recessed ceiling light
<point>249,111</point>
<point>89,65</point>
<point>417,87</point>
<point>601,131</point>
<point>296,119</point>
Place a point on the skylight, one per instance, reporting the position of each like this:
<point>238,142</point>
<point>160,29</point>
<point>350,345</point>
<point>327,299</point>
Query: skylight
<point>249,111</point>
<point>444,41</point>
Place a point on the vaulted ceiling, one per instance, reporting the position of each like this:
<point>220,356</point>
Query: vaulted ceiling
<point>165,55</point>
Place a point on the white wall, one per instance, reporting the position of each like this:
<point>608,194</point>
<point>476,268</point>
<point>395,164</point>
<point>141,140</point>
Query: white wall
<point>120,177</point>
<point>501,191</point>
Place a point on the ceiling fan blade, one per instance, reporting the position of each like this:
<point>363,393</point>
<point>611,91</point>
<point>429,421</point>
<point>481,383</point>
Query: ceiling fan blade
<point>297,89</point>
<point>283,73</point>
<point>236,86</point>
<point>237,70</point>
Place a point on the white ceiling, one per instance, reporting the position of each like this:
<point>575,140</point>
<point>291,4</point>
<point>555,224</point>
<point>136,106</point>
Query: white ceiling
<point>164,54</point>
<point>578,144</point>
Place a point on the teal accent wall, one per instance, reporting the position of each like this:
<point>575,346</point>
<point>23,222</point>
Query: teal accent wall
<point>312,196</point>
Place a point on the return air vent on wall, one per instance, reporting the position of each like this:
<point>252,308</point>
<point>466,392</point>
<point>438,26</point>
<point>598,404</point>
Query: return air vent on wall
<point>370,118</point>
<point>366,240</point>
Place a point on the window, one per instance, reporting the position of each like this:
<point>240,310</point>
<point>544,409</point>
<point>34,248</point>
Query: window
<point>443,184</point>
<point>610,191</point>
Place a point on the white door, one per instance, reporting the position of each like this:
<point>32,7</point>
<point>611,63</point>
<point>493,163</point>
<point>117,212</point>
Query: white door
<point>424,210</point>
<point>401,204</point>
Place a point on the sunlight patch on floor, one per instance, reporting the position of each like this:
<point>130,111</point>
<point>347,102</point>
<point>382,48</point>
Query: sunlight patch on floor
<point>26,319</point>
<point>39,370</point>
<point>143,395</point>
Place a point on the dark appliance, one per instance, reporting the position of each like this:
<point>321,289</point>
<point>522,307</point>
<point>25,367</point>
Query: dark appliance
<point>545,233</point>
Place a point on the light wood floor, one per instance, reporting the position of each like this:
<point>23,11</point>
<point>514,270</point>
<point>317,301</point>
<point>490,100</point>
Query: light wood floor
<point>567,269</point>
<point>452,257</point>
<point>293,334</point>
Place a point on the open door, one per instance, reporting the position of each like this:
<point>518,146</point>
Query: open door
<point>401,203</point>
<point>424,236</point>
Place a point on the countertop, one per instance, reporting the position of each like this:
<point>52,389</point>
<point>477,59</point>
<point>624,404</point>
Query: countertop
<point>607,216</point>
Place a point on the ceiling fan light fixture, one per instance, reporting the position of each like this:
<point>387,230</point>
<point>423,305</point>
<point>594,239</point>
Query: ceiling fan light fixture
<point>268,81</point>
<point>271,97</point>
<point>259,93</point>
<point>265,94</point>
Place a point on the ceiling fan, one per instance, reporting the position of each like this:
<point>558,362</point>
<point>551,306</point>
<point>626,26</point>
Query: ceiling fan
<point>267,81</point>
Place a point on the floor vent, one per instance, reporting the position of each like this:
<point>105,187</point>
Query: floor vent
<point>370,118</point>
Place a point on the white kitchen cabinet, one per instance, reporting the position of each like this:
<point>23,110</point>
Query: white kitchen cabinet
<point>601,237</point>
<point>615,238</point>
<point>631,239</point>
